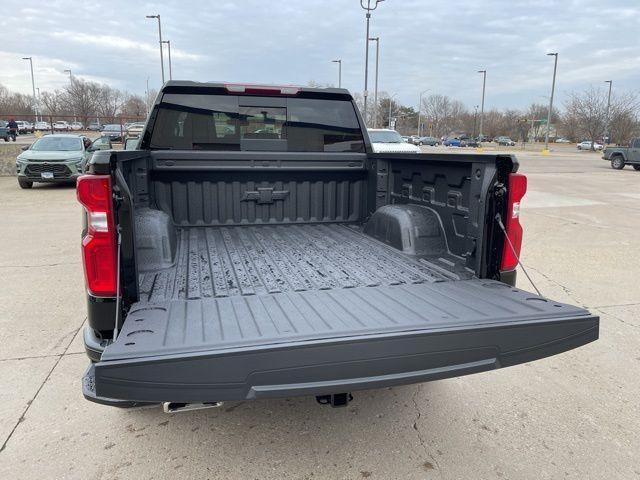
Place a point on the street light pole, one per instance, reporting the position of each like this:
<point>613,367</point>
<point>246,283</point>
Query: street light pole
<point>420,111</point>
<point>484,84</point>
<point>339,62</point>
<point>475,117</point>
<point>168,42</point>
<point>375,95</point>
<point>33,86</point>
<point>390,105</point>
<point>38,103</point>
<point>607,134</point>
<point>160,43</point>
<point>369,9</point>
<point>553,88</point>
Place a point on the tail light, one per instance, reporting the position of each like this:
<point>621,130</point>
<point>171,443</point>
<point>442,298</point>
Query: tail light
<point>262,89</point>
<point>517,187</point>
<point>99,242</point>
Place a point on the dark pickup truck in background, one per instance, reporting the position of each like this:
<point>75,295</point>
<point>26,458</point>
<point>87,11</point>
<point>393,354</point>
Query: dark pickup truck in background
<point>621,156</point>
<point>255,247</point>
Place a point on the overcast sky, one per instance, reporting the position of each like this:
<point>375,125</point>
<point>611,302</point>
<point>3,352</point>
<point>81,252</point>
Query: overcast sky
<point>434,44</point>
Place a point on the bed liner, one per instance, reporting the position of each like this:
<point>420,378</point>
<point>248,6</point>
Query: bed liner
<point>215,262</point>
<point>236,287</point>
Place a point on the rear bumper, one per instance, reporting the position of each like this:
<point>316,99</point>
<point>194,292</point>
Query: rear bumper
<point>332,366</point>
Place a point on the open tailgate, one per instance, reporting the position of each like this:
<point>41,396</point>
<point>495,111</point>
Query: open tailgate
<point>323,342</point>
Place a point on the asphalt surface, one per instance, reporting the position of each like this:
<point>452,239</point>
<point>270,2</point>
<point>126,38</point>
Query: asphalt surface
<point>574,415</point>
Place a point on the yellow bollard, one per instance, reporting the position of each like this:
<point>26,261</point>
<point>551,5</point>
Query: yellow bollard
<point>546,152</point>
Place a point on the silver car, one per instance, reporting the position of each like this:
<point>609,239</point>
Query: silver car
<point>56,158</point>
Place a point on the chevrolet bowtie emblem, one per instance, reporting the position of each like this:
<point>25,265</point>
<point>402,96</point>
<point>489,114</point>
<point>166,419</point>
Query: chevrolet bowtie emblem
<point>264,195</point>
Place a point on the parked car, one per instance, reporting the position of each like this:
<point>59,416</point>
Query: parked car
<point>135,129</point>
<point>131,143</point>
<point>405,138</point>
<point>562,140</point>
<point>472,142</point>
<point>24,127</point>
<point>4,130</point>
<point>61,126</point>
<point>430,141</point>
<point>114,131</point>
<point>621,156</point>
<point>95,126</point>
<point>452,142</point>
<point>101,143</point>
<point>504,141</point>
<point>387,141</point>
<point>202,302</point>
<point>42,126</point>
<point>589,145</point>
<point>53,158</point>
<point>76,126</point>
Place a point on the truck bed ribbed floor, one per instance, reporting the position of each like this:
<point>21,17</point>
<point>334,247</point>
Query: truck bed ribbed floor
<point>216,262</point>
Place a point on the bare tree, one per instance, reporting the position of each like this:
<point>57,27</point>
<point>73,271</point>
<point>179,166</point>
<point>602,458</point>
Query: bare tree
<point>443,115</point>
<point>151,98</point>
<point>387,107</point>
<point>15,104</point>
<point>624,122</point>
<point>537,117</point>
<point>134,108</point>
<point>569,126</point>
<point>512,124</point>
<point>80,98</point>
<point>108,103</point>
<point>588,109</point>
<point>493,124</point>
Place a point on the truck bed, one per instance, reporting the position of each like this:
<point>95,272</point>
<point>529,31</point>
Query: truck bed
<point>264,285</point>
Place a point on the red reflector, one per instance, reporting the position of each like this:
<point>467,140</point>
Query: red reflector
<point>99,243</point>
<point>517,187</point>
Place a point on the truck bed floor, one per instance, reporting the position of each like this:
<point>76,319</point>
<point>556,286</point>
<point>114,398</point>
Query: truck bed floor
<point>221,262</point>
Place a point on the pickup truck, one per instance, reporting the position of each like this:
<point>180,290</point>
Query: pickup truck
<point>253,246</point>
<point>621,156</point>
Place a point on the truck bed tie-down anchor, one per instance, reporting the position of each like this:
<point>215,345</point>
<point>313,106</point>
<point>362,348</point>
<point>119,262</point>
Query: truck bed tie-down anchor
<point>335,399</point>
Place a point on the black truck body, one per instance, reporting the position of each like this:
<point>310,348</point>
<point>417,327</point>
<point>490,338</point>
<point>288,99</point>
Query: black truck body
<point>264,251</point>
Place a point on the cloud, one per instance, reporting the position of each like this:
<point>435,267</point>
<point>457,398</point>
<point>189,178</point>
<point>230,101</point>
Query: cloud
<point>123,44</point>
<point>436,45</point>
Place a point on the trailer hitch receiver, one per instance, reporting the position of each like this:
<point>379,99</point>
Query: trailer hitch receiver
<point>335,399</point>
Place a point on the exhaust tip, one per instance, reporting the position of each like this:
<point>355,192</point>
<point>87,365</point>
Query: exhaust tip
<point>176,407</point>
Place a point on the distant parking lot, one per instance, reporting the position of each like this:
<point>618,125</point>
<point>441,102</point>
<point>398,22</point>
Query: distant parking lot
<point>29,138</point>
<point>570,416</point>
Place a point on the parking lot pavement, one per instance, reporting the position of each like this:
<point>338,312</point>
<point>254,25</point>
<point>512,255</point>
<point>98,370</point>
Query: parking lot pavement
<point>575,415</point>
